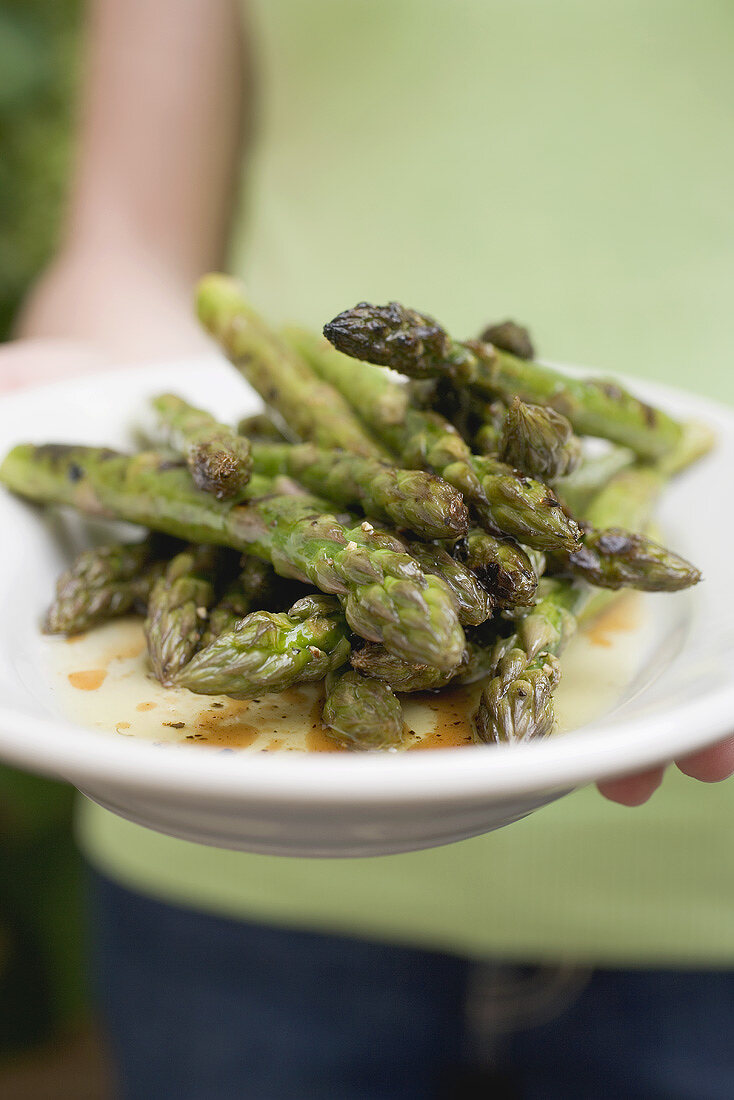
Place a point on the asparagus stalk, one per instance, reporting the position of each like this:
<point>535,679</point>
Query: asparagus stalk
<point>254,587</point>
<point>509,336</point>
<point>269,651</point>
<point>553,620</point>
<point>539,441</point>
<point>422,439</point>
<point>487,437</point>
<point>513,700</point>
<point>696,442</point>
<point>503,568</point>
<point>630,497</point>
<point>387,597</point>
<point>412,499</point>
<point>577,490</point>
<point>543,632</point>
<point>524,508</point>
<point>472,601</point>
<point>262,428</point>
<point>478,420</point>
<point>361,712</point>
<point>389,402</point>
<point>516,703</point>
<point>418,346</point>
<point>177,611</point>
<point>218,458</point>
<point>506,502</point>
<point>374,660</point>
<point>616,557</point>
<point>313,410</point>
<point>101,584</point>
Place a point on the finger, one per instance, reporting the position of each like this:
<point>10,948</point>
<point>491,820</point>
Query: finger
<point>632,790</point>
<point>710,765</point>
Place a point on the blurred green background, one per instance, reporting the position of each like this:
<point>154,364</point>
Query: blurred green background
<point>41,968</point>
<point>39,50</point>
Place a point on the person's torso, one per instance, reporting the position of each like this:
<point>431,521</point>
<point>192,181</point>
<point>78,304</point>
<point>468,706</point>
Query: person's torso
<point>568,164</point>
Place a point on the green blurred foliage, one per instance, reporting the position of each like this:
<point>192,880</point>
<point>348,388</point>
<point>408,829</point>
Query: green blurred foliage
<point>39,51</point>
<point>41,969</point>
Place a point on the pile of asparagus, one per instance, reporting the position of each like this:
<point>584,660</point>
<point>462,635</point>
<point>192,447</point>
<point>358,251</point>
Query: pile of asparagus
<point>380,534</point>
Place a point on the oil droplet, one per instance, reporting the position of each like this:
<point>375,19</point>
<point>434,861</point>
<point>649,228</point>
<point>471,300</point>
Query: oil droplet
<point>146,706</point>
<point>226,727</point>
<point>88,679</point>
<point>125,653</point>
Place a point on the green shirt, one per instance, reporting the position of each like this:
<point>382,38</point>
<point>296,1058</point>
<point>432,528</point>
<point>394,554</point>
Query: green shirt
<point>565,163</point>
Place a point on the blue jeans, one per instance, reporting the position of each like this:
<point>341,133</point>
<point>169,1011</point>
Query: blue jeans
<point>198,1007</point>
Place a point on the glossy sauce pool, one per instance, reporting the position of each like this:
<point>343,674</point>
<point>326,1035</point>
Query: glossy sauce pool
<point>101,681</point>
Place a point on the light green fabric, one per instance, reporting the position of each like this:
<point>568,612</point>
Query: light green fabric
<point>560,161</point>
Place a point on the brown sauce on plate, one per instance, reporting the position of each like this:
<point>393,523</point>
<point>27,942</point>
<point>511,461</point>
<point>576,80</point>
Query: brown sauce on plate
<point>103,683</point>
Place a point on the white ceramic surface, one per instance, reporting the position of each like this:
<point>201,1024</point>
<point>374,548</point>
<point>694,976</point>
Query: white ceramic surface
<point>344,805</point>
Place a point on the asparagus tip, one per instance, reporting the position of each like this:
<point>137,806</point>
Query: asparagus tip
<point>391,336</point>
<point>509,336</point>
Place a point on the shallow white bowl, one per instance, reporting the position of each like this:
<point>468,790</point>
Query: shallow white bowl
<point>681,699</point>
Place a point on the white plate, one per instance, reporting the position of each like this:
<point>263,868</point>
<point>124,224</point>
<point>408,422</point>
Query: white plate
<point>343,805</point>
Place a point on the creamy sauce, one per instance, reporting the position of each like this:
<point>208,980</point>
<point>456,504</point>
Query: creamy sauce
<point>102,682</point>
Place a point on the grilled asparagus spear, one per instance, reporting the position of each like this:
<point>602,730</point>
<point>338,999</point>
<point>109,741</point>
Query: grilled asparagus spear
<point>617,557</point>
<point>361,712</point>
<point>218,458</point>
<point>539,441</point>
<point>507,571</point>
<point>416,345</point>
<point>473,602</point>
<point>262,428</point>
<point>255,587</point>
<point>313,410</point>
<point>509,336</point>
<point>177,611</point>
<point>387,597</point>
<point>389,402</point>
<point>506,501</point>
<point>412,499</point>
<point>269,651</point>
<point>373,659</point>
<point>522,507</point>
<point>516,703</point>
<point>519,696</point>
<point>103,583</point>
